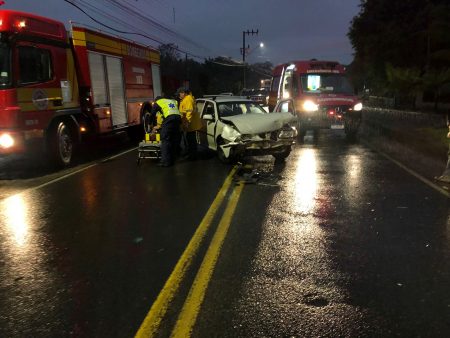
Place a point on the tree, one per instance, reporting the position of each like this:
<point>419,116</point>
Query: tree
<point>169,51</point>
<point>414,40</point>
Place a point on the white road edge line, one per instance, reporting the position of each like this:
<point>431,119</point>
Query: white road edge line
<point>416,175</point>
<point>70,174</point>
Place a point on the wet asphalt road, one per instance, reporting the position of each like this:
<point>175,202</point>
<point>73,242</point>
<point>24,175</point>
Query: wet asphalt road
<point>336,242</point>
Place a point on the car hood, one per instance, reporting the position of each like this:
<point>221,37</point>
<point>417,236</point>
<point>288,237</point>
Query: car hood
<point>260,123</point>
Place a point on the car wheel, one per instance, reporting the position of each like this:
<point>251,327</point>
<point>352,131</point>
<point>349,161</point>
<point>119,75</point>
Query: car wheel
<point>221,155</point>
<point>61,144</point>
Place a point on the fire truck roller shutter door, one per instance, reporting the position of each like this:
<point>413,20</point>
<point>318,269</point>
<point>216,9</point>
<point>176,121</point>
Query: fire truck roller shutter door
<point>114,71</point>
<point>156,79</point>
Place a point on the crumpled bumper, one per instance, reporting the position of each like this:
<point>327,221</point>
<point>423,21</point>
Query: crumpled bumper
<point>260,147</point>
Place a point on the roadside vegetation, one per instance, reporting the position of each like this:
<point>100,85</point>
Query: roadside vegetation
<point>402,51</point>
<point>211,76</point>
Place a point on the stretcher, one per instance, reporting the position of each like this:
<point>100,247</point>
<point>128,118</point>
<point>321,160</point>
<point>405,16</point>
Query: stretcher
<point>150,147</point>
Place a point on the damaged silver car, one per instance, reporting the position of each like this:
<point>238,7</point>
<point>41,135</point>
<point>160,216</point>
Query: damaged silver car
<point>237,127</point>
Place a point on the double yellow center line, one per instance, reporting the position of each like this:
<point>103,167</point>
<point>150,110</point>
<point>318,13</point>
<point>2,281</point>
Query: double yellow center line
<point>191,307</point>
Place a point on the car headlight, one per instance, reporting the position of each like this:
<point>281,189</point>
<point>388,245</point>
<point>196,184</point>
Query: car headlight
<point>310,106</point>
<point>230,134</point>
<point>6,141</point>
<point>358,107</point>
<point>288,133</point>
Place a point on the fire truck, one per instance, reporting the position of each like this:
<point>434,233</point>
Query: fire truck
<point>319,93</point>
<point>58,88</point>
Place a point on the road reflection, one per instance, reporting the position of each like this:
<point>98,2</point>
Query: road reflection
<point>306,181</point>
<point>27,275</point>
<point>16,212</point>
<point>22,218</point>
<point>353,171</point>
<point>293,269</point>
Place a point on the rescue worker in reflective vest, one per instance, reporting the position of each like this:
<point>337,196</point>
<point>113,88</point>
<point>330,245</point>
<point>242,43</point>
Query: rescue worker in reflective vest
<point>190,120</point>
<point>170,129</point>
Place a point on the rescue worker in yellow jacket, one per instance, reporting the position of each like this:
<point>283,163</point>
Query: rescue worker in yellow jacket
<point>190,120</point>
<point>170,129</point>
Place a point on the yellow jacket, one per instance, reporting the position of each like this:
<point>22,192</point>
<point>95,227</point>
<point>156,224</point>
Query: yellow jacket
<point>189,113</point>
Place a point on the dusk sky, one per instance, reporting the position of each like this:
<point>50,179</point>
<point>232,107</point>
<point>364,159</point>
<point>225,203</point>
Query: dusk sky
<point>289,29</point>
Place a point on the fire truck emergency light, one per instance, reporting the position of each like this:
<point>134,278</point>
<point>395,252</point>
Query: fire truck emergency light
<point>21,24</point>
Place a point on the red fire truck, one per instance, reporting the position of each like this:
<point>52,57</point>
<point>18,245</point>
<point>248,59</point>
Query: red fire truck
<point>58,87</point>
<point>319,93</point>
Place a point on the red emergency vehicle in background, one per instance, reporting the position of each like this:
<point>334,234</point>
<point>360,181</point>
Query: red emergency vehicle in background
<point>58,87</point>
<point>319,93</point>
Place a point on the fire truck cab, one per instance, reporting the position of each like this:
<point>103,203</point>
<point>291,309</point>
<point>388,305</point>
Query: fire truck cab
<point>318,93</point>
<point>58,87</point>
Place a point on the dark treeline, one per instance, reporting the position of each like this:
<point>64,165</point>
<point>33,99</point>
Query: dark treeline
<point>402,49</point>
<point>211,76</point>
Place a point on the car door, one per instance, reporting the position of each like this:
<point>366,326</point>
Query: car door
<point>287,106</point>
<point>211,125</point>
<point>209,119</point>
<point>201,133</point>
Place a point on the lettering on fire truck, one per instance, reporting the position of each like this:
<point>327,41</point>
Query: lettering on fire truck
<point>61,86</point>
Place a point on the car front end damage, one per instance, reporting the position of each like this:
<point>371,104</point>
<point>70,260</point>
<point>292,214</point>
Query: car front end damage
<point>268,143</point>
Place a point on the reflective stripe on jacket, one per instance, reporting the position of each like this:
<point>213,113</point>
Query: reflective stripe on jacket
<point>168,107</point>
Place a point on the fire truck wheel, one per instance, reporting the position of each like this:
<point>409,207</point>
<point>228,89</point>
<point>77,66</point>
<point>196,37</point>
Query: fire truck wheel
<point>147,121</point>
<point>61,144</point>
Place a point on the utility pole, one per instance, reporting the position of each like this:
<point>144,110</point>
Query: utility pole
<point>186,83</point>
<point>244,50</point>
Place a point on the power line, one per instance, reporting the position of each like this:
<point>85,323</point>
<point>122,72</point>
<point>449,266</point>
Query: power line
<point>253,69</point>
<point>134,11</point>
<point>224,64</point>
<point>115,19</point>
<point>109,27</point>
<point>125,32</point>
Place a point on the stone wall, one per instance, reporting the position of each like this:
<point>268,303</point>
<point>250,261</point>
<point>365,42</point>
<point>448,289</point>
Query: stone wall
<point>410,137</point>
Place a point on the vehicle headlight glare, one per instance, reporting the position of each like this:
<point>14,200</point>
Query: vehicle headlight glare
<point>358,107</point>
<point>6,141</point>
<point>310,106</point>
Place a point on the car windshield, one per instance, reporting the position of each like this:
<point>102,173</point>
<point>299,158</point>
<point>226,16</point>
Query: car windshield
<point>326,83</point>
<point>5,65</point>
<point>239,108</point>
